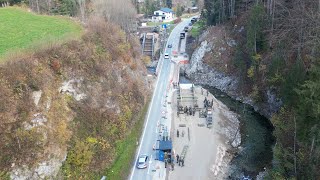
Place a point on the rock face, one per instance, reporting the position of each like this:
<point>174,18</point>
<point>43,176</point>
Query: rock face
<point>203,74</point>
<point>44,170</point>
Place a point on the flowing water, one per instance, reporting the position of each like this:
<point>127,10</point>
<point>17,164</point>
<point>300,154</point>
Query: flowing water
<point>256,136</point>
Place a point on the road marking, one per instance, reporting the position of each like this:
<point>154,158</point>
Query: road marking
<point>151,105</point>
<point>150,162</point>
<point>148,117</point>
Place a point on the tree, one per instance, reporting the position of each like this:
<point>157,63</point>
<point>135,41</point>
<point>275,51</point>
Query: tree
<point>169,3</point>
<point>255,26</point>
<point>121,12</point>
<point>179,10</point>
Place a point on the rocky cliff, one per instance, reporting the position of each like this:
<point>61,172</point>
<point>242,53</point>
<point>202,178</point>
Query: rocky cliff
<point>209,65</point>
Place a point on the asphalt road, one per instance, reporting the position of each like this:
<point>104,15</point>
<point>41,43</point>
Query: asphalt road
<point>149,135</point>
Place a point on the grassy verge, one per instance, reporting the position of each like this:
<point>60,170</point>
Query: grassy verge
<point>125,150</point>
<point>20,30</point>
<point>159,23</point>
<point>189,15</point>
<point>197,28</point>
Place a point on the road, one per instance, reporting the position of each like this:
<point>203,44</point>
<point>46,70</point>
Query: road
<point>149,135</point>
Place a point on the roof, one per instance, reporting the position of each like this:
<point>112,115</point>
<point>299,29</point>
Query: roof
<point>142,158</point>
<point>167,10</point>
<point>165,145</point>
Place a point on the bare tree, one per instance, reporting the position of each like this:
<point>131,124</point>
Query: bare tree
<point>121,12</point>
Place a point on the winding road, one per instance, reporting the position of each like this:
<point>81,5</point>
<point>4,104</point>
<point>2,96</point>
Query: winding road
<point>149,135</point>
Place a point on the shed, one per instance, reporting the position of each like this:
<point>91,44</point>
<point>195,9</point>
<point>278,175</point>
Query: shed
<point>165,145</point>
<point>162,148</point>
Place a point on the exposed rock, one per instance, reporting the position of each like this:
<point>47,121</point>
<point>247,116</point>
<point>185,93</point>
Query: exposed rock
<point>36,95</point>
<point>72,87</point>
<point>231,43</point>
<point>44,170</point>
<point>203,74</point>
<point>38,120</point>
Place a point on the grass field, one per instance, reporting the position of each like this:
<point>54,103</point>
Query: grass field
<point>20,30</point>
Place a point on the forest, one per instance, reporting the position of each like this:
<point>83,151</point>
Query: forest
<point>280,50</point>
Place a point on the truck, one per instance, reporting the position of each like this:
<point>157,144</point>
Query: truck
<point>182,35</point>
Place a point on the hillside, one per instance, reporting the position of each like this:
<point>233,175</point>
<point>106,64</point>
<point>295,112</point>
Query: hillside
<point>266,53</point>
<point>20,29</point>
<point>67,110</point>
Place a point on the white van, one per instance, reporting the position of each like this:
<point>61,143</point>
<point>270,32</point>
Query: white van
<point>166,55</point>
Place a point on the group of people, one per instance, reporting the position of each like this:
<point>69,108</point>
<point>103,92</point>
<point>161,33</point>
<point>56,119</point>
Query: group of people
<point>178,133</point>
<point>202,92</point>
<point>207,103</point>
<point>180,161</point>
<point>189,111</point>
<point>176,85</point>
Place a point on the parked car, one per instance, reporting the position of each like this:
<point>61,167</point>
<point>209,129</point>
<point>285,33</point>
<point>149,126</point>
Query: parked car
<point>169,45</point>
<point>142,161</point>
<point>166,55</point>
<point>182,35</point>
<point>186,29</point>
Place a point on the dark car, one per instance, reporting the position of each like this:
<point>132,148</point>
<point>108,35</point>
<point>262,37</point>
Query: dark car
<point>142,162</point>
<point>169,45</point>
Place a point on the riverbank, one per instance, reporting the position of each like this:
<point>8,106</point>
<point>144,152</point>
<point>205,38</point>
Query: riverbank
<point>255,154</point>
<point>208,150</point>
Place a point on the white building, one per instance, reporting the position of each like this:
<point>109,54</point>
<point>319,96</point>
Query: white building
<point>164,14</point>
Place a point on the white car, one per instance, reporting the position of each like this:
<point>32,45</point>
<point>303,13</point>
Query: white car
<point>142,162</point>
<point>166,55</point>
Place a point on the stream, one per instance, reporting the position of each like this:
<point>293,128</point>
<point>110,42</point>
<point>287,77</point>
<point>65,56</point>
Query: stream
<point>257,140</point>
<point>256,136</point>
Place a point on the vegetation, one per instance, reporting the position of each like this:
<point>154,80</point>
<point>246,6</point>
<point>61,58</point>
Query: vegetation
<point>197,28</point>
<point>278,50</point>
<point>125,150</point>
<point>20,29</point>
<point>87,130</point>
<point>159,23</point>
<point>179,10</point>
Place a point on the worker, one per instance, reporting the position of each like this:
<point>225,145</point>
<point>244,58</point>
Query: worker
<point>165,163</point>
<point>182,162</point>
<point>172,166</point>
<point>177,158</point>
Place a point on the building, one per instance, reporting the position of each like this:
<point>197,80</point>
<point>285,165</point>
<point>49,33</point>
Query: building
<point>164,14</point>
